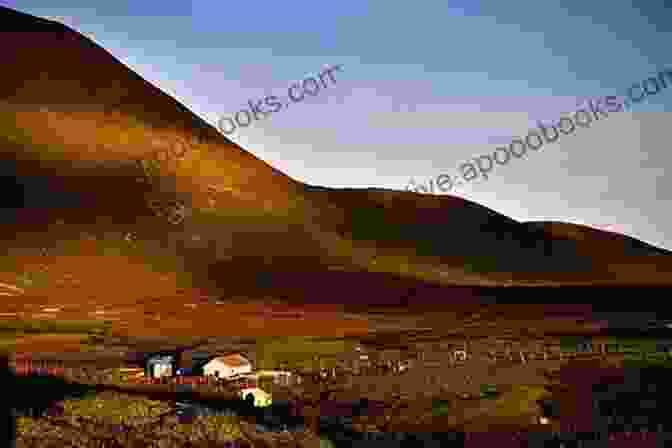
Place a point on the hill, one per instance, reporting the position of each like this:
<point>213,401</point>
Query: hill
<point>117,193</point>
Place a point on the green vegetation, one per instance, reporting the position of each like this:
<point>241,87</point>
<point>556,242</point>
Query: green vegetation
<point>520,401</point>
<point>37,278</point>
<point>373,224</point>
<point>369,224</point>
<point>633,343</point>
<point>440,407</point>
<point>481,264</point>
<point>326,443</point>
<point>657,355</point>
<point>489,391</point>
<point>25,425</point>
<point>117,408</point>
<point>219,427</point>
<point>570,343</point>
<point>151,169</point>
<point>639,362</point>
<point>7,341</point>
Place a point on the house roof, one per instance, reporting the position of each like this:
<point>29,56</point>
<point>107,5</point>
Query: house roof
<point>232,360</point>
<point>160,359</point>
<point>160,354</point>
<point>258,393</point>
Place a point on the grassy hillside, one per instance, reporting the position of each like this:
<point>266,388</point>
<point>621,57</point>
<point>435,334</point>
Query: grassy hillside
<point>120,193</point>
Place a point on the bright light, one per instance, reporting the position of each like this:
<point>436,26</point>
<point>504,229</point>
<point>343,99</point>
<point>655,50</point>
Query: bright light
<point>544,420</point>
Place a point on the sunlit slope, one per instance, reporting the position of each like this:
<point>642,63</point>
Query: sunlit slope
<point>71,106</point>
<point>88,209</point>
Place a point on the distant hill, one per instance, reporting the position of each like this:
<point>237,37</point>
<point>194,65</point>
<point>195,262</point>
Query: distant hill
<point>614,242</point>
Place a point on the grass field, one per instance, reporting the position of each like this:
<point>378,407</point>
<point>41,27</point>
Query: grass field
<point>299,351</point>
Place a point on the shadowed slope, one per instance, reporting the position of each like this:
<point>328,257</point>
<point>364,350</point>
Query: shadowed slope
<point>591,239</point>
<point>492,249</point>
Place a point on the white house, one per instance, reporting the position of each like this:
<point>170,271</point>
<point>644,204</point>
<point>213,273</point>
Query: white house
<point>228,366</point>
<point>158,366</point>
<point>261,397</point>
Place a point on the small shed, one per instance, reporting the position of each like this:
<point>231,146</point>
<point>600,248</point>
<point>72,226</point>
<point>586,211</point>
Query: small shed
<point>228,366</point>
<point>159,365</point>
<point>261,397</point>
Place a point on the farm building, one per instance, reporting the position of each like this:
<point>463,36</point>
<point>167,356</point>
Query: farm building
<point>25,364</point>
<point>159,365</point>
<point>192,360</point>
<point>228,366</point>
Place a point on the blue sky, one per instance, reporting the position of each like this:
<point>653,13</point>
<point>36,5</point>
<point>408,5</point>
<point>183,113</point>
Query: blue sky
<point>424,86</point>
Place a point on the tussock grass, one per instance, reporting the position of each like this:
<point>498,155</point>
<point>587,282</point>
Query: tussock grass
<point>520,401</point>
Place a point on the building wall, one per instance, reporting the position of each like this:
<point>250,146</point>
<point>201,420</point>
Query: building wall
<point>24,365</point>
<point>161,369</point>
<point>261,398</point>
<point>166,368</point>
<point>224,370</point>
<point>191,358</point>
<point>186,360</point>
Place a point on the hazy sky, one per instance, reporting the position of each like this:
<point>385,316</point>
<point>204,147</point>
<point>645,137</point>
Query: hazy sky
<point>424,86</point>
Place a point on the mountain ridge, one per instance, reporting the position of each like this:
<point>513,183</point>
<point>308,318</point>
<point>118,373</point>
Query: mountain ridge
<point>76,125</point>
